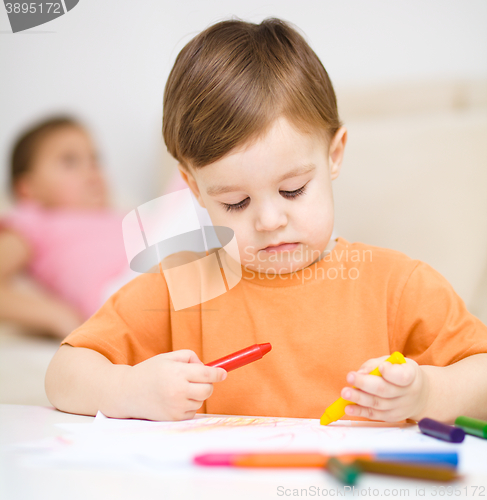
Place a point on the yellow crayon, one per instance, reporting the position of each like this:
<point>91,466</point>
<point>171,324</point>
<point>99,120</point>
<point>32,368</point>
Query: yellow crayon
<point>337,409</point>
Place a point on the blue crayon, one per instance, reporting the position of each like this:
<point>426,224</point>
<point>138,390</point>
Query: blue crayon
<point>436,457</point>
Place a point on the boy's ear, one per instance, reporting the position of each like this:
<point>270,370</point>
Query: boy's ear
<point>336,151</point>
<point>191,182</point>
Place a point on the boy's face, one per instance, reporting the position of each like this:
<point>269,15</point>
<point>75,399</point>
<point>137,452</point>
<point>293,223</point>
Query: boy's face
<point>273,191</point>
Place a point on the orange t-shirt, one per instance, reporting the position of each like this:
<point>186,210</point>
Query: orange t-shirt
<point>358,302</point>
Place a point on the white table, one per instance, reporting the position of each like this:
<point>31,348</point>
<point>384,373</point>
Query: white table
<point>20,481</point>
<point>24,359</point>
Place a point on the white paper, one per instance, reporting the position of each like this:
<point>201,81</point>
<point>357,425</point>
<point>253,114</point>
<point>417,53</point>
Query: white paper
<point>132,444</point>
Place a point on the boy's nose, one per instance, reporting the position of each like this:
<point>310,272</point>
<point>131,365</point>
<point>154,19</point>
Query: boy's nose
<point>270,219</point>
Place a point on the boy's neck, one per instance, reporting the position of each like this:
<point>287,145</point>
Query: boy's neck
<point>326,251</point>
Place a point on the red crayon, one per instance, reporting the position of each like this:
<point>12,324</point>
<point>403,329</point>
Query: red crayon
<point>242,357</point>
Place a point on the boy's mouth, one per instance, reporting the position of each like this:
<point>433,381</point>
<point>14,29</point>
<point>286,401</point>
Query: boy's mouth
<point>279,247</point>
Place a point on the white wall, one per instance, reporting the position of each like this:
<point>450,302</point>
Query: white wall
<point>107,62</point>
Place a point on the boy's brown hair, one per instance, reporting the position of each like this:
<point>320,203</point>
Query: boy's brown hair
<point>25,147</point>
<point>232,81</point>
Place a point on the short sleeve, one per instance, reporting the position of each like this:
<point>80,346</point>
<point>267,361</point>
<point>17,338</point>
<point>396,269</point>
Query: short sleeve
<point>432,324</point>
<point>132,325</point>
<point>26,219</point>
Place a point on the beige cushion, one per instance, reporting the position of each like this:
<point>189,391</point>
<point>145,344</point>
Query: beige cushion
<point>417,182</point>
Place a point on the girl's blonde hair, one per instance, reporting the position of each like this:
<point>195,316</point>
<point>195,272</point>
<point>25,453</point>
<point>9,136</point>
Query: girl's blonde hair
<point>230,83</point>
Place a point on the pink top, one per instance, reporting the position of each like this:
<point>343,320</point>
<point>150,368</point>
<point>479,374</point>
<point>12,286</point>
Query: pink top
<point>75,253</point>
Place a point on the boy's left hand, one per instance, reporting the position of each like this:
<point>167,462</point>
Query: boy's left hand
<point>400,393</point>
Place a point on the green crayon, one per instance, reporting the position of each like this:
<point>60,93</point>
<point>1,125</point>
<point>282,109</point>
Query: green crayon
<point>346,473</point>
<point>472,426</point>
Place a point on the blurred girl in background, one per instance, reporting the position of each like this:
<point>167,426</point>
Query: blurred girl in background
<point>60,232</point>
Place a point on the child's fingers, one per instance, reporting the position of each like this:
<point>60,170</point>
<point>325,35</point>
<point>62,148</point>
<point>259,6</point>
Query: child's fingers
<point>371,364</point>
<point>189,414</point>
<point>377,386</point>
<point>194,405</point>
<point>373,414</point>
<point>183,355</point>
<point>204,374</point>
<point>199,391</point>
<point>368,400</point>
<point>191,407</point>
<point>401,375</point>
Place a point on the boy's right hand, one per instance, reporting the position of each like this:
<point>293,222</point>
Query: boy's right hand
<point>169,386</point>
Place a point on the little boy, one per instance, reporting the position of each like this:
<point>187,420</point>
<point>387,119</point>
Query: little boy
<point>251,116</point>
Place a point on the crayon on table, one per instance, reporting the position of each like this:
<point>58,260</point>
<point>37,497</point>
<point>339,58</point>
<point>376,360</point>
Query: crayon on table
<point>344,472</point>
<point>436,473</point>
<point>319,460</point>
<point>449,458</point>
<point>442,431</point>
<point>262,459</point>
<point>473,426</point>
<point>242,357</point>
<point>337,409</point>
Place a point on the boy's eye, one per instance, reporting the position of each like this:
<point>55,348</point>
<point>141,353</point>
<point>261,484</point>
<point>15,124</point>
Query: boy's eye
<point>293,194</point>
<point>237,206</point>
<point>242,204</point>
